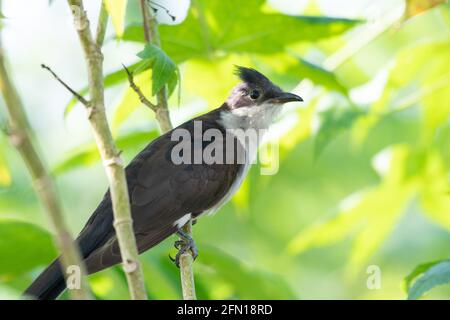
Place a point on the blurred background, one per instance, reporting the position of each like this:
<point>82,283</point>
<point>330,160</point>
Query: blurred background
<point>364,162</point>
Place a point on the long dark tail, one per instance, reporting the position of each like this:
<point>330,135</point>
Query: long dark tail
<point>49,284</point>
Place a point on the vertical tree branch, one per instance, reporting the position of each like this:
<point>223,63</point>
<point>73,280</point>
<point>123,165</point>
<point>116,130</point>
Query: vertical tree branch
<point>162,116</point>
<point>21,137</point>
<point>112,162</point>
<point>187,269</point>
<point>101,25</point>
<point>152,36</point>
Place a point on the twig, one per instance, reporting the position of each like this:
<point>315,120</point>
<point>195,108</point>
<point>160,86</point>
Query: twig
<point>21,136</point>
<point>76,94</point>
<point>162,116</point>
<point>123,223</point>
<point>138,91</point>
<point>145,21</point>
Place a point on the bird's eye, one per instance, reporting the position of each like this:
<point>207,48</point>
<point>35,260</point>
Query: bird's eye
<point>254,94</point>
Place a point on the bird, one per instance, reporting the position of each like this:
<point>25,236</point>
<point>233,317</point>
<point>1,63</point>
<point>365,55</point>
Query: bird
<point>169,183</point>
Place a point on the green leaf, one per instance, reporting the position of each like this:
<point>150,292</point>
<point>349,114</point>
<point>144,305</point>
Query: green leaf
<point>23,246</point>
<point>319,76</point>
<point>88,155</point>
<point>172,83</point>
<point>81,157</point>
<point>117,10</point>
<point>418,270</point>
<point>214,27</point>
<point>334,121</point>
<point>437,274</point>
<point>163,68</point>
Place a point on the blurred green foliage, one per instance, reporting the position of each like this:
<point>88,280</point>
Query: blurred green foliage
<point>364,163</point>
<point>23,241</point>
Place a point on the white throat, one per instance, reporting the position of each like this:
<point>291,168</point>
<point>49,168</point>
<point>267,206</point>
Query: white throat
<point>254,117</point>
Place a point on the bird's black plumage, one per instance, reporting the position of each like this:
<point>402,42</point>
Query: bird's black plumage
<point>253,77</point>
<point>160,193</point>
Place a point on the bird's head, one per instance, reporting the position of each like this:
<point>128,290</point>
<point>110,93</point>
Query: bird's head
<point>257,90</point>
<point>255,102</point>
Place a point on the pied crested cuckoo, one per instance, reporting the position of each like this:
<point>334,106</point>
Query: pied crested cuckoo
<point>165,193</point>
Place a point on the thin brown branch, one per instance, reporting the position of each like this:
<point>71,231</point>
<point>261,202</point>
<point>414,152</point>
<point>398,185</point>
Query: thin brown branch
<point>72,91</point>
<point>145,20</point>
<point>115,172</point>
<point>138,90</point>
<point>21,136</point>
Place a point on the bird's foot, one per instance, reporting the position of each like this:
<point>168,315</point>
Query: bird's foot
<point>183,245</point>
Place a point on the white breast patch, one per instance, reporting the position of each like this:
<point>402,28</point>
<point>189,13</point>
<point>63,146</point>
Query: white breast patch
<point>247,118</point>
<point>182,221</point>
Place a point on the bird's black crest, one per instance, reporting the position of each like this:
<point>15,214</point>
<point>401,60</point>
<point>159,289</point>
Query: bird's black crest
<point>251,76</point>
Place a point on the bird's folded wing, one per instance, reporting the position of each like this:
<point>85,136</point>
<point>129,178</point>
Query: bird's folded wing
<point>161,193</point>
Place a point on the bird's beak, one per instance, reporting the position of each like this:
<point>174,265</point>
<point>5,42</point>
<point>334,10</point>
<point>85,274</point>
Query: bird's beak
<point>286,97</point>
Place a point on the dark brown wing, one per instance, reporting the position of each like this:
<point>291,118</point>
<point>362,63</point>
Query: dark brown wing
<point>162,192</point>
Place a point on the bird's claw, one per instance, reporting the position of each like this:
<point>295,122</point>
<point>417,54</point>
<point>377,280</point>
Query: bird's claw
<point>185,244</point>
<point>178,244</point>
